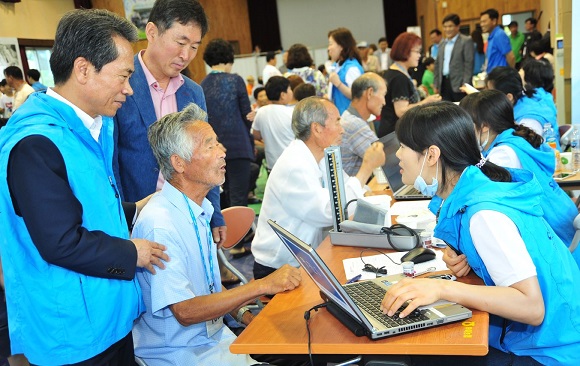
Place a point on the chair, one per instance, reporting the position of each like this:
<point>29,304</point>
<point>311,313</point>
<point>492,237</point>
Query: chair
<point>239,220</point>
<point>565,138</point>
<point>576,238</point>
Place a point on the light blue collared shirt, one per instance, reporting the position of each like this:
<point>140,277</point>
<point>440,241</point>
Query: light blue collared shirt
<point>448,50</point>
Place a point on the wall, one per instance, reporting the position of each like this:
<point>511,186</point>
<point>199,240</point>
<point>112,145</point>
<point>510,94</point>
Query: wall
<point>33,19</point>
<point>308,22</point>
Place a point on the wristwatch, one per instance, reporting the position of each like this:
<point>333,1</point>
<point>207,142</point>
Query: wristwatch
<point>241,313</point>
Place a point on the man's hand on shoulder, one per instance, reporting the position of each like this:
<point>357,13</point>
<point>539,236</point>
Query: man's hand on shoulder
<point>150,253</point>
<point>283,279</point>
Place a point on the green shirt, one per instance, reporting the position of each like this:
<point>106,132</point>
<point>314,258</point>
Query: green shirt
<point>517,42</point>
<point>427,81</point>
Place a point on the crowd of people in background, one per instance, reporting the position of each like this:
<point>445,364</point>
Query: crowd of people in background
<point>145,127</point>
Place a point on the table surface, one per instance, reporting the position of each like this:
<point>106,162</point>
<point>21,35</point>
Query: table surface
<point>572,181</point>
<point>280,327</point>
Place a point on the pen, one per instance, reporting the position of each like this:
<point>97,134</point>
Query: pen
<point>354,279</point>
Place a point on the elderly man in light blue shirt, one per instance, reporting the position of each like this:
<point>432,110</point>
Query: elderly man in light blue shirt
<point>183,323</point>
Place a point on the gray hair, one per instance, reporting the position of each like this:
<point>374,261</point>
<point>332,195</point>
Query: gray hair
<point>168,136</point>
<point>363,82</point>
<point>306,112</point>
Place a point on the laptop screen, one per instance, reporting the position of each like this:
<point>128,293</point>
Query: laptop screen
<point>317,269</point>
<point>391,168</point>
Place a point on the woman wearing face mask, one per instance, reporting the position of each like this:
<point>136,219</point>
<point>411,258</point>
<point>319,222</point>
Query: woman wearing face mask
<point>493,216</point>
<point>507,144</point>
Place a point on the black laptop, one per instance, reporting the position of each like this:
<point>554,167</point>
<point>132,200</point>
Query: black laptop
<point>391,172</point>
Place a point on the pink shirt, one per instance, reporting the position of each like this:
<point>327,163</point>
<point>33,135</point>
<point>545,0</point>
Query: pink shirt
<point>164,101</point>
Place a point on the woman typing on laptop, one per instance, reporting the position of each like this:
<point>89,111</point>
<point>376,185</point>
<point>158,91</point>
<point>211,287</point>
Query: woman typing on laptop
<point>493,216</point>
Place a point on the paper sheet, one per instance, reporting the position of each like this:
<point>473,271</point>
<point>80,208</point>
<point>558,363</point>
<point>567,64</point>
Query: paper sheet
<point>354,266</point>
<point>406,207</point>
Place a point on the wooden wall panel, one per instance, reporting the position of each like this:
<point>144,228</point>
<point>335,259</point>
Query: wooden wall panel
<point>228,19</point>
<point>432,11</point>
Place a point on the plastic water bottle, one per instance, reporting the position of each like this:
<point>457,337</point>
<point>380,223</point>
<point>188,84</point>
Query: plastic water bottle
<point>575,148</point>
<point>550,139</point>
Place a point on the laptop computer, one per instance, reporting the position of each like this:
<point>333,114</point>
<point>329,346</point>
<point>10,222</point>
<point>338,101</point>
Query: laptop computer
<point>392,172</point>
<point>354,305</point>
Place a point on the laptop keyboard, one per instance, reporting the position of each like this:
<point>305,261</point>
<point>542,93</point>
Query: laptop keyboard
<point>380,175</point>
<point>368,296</point>
<point>412,191</point>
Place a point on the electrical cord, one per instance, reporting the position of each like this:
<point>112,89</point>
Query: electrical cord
<point>370,268</point>
<point>307,318</point>
<point>394,230</point>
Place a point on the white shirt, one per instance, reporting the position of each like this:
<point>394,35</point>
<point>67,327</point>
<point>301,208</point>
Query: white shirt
<point>93,124</point>
<point>6,103</point>
<point>268,72</point>
<point>21,95</point>
<point>504,156</point>
<point>501,247</point>
<point>274,122</point>
<point>533,125</point>
<point>297,198</point>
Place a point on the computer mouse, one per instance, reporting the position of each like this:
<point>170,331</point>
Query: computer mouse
<point>419,255</point>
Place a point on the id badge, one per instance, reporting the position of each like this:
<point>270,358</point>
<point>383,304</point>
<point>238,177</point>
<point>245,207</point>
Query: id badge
<point>213,326</point>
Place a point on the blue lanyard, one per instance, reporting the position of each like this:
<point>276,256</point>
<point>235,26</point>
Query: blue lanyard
<point>404,70</point>
<point>210,282</point>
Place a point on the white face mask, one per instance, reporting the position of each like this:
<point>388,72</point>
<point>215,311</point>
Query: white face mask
<point>422,186</point>
<point>484,144</point>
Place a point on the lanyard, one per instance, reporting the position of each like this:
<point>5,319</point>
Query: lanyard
<point>404,70</point>
<point>210,282</point>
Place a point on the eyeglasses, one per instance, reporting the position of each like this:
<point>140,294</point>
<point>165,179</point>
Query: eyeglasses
<point>419,51</point>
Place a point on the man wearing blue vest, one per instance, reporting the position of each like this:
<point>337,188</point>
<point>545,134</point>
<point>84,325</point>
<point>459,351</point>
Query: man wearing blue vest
<point>69,266</point>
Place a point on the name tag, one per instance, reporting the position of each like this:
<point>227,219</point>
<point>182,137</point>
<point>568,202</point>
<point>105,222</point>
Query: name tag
<point>213,326</point>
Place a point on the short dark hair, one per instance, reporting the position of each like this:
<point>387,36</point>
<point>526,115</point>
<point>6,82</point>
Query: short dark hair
<point>452,18</point>
<point>436,31</point>
<point>428,61</point>
<point>88,34</point>
<point>165,12</point>
<point>14,72</point>
<point>33,74</point>
<point>401,49</point>
<point>538,74</point>
<point>3,82</point>
<point>493,109</point>
<point>507,80</point>
<point>257,91</point>
<point>343,37</point>
<point>275,86</point>
<point>321,68</point>
<point>513,23</point>
<point>218,51</point>
<point>492,13</point>
<point>270,55</point>
<point>382,39</point>
<point>304,90</point>
<point>298,56</point>
<point>451,130</point>
<point>533,21</point>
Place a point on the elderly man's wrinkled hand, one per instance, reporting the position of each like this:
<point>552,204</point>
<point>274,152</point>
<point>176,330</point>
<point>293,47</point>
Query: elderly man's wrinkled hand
<point>283,279</point>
